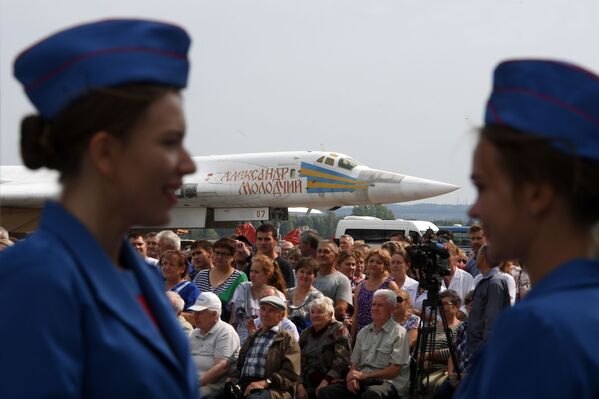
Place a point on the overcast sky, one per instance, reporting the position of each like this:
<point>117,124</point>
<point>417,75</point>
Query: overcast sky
<point>398,85</point>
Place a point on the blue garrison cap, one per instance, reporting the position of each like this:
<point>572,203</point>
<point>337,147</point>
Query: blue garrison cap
<point>551,99</point>
<point>61,68</point>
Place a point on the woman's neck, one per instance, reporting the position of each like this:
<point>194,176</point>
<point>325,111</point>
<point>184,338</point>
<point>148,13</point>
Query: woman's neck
<point>401,317</point>
<point>400,281</point>
<point>323,326</point>
<point>452,321</point>
<point>376,279</point>
<point>223,270</point>
<point>256,289</point>
<point>88,204</point>
<point>544,256</point>
<point>171,283</point>
<point>302,289</point>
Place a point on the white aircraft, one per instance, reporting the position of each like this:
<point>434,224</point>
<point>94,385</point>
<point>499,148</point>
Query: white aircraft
<point>240,187</point>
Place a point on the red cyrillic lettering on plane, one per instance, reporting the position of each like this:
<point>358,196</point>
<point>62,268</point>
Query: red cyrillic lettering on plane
<point>276,188</point>
<point>261,174</point>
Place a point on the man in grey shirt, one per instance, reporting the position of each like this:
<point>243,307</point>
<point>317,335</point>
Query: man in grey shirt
<point>380,360</point>
<point>491,297</point>
<point>214,345</point>
<point>331,282</point>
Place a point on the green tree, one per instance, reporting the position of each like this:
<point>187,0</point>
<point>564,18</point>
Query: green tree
<point>379,211</point>
<point>208,234</point>
<point>325,224</point>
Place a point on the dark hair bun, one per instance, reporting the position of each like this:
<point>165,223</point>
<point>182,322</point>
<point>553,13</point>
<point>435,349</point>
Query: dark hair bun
<point>34,152</point>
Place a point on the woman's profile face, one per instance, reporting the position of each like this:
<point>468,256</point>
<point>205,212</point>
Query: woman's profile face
<point>501,209</point>
<point>257,275</point>
<point>453,260</point>
<point>148,166</point>
<point>401,308</point>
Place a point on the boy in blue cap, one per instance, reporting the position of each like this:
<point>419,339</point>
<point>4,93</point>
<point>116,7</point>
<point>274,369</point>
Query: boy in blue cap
<point>536,168</point>
<point>82,315</point>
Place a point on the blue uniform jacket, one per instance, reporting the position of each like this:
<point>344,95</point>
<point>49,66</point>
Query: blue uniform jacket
<point>547,346</point>
<point>70,326</point>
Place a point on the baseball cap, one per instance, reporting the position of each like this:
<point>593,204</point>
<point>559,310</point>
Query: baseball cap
<point>206,300</point>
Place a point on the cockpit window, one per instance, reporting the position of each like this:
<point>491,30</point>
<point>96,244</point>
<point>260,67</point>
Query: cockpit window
<point>329,161</point>
<point>320,160</point>
<point>347,163</point>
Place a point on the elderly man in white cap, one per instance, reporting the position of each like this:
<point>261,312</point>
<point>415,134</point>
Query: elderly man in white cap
<point>269,361</point>
<point>214,344</point>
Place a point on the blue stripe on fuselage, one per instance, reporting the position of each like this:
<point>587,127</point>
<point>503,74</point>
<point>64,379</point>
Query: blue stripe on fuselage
<point>324,170</point>
<point>330,190</point>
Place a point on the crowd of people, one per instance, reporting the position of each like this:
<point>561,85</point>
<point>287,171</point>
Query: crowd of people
<point>340,328</point>
<point>318,301</point>
<point>84,315</point>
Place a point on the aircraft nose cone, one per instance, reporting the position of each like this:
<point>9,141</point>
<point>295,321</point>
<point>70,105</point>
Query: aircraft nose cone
<point>426,188</point>
<point>408,188</point>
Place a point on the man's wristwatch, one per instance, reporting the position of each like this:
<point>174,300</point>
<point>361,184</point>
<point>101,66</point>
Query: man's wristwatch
<point>268,381</point>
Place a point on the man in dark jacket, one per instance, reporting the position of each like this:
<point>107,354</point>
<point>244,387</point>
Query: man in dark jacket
<point>269,361</point>
<point>491,297</point>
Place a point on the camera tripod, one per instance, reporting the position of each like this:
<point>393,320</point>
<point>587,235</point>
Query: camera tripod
<point>425,343</point>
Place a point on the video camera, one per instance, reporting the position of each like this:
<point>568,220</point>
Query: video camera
<point>431,262</point>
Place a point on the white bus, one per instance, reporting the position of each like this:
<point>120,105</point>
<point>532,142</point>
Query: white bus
<point>375,231</point>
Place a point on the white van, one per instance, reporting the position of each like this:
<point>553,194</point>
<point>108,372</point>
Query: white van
<point>375,231</point>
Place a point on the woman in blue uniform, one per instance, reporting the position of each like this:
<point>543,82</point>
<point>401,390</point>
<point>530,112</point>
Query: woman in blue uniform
<point>82,315</point>
<point>536,168</point>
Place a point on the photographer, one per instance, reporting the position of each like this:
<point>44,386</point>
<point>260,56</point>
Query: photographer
<point>430,264</point>
<point>434,345</point>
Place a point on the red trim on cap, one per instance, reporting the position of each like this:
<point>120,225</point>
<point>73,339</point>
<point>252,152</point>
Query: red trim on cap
<point>56,71</point>
<point>555,101</point>
<point>494,112</point>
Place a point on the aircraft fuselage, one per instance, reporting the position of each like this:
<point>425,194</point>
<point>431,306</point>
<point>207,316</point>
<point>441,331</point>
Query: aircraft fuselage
<point>310,179</point>
<point>228,188</point>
